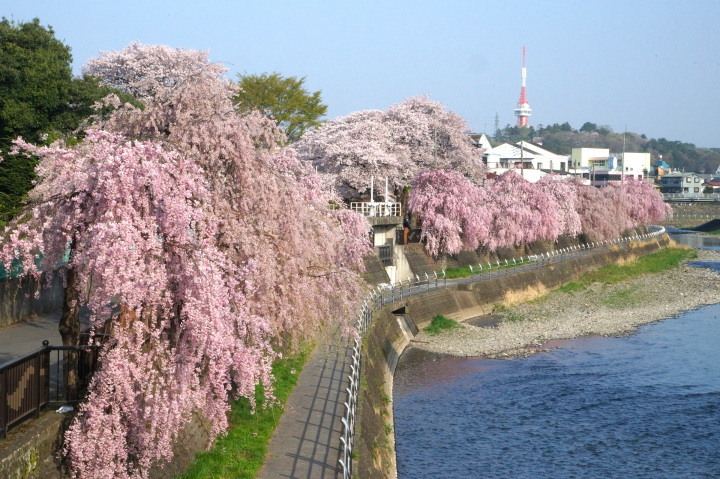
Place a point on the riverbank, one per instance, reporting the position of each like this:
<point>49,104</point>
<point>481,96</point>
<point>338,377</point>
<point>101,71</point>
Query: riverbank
<point>600,309</point>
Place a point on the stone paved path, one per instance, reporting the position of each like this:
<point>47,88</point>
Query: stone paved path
<point>306,443</point>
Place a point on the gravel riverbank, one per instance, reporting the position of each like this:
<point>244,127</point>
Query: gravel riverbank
<point>606,310</point>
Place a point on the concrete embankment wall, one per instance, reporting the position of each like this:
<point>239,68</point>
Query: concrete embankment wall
<point>391,332</point>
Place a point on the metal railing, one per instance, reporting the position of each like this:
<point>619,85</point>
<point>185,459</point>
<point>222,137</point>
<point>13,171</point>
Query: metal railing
<point>384,295</point>
<point>376,208</point>
<point>689,216</point>
<point>691,196</point>
<point>33,382</point>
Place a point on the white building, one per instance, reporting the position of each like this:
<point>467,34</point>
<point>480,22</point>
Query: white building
<point>529,157</point>
<point>635,163</point>
<point>599,167</point>
<point>589,158</point>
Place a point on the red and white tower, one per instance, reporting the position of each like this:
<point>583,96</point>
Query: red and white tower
<point>523,111</point>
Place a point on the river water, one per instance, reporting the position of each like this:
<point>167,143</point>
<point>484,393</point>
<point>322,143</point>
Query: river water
<point>644,406</point>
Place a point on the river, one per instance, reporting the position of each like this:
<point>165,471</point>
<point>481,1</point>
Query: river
<point>644,406</point>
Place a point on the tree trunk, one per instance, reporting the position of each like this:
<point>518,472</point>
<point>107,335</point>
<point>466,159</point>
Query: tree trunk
<point>70,333</point>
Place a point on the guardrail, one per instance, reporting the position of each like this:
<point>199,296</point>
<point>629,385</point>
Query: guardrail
<point>33,382</point>
<point>389,294</point>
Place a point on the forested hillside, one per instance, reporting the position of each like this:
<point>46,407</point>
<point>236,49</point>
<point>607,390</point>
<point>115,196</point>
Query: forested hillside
<point>563,138</point>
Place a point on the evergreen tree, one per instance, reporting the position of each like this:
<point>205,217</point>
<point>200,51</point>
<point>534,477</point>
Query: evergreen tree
<point>40,101</point>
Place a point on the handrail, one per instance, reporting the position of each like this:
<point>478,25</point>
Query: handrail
<point>383,295</point>
<point>376,208</point>
<point>26,382</point>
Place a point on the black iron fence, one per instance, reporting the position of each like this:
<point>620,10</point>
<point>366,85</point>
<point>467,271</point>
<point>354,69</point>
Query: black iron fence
<point>36,381</point>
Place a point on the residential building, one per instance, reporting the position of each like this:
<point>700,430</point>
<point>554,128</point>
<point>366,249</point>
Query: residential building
<point>590,158</point>
<point>689,184</point>
<point>530,158</point>
<point>599,167</point>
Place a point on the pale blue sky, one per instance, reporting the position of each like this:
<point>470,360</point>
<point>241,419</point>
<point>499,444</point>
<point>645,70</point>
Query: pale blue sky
<point>651,65</point>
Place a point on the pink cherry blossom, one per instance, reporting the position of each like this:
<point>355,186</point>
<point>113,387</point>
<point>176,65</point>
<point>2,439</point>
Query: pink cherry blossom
<point>209,247</point>
<point>397,143</point>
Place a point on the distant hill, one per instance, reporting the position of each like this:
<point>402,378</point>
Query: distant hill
<point>563,138</point>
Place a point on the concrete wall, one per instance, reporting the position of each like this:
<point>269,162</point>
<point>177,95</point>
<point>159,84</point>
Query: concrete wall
<point>388,337</point>
<point>17,298</point>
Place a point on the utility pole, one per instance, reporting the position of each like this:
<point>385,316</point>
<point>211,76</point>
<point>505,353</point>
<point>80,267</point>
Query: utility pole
<point>622,172</point>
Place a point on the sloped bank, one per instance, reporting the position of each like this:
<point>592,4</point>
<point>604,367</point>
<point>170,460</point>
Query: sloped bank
<point>395,325</point>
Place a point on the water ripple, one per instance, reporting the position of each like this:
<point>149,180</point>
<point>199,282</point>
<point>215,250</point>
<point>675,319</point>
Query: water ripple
<point>647,406</point>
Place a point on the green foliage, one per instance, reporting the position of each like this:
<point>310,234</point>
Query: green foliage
<point>440,324</point>
<point>241,453</point>
<point>39,101</point>
<point>514,317</point>
<point>589,127</point>
<point>35,79</point>
<point>285,100</point>
<point>663,260</point>
<point>499,308</point>
<point>453,273</point>
<point>622,298</point>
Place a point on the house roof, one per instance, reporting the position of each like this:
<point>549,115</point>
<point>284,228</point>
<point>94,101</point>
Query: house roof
<point>555,172</point>
<point>506,150</point>
<point>540,149</point>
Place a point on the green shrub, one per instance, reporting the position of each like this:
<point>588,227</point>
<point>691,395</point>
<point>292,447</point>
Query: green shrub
<point>439,324</point>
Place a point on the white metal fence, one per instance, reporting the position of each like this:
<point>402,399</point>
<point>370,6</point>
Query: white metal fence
<point>389,294</point>
<point>377,208</point>
<point>692,196</point>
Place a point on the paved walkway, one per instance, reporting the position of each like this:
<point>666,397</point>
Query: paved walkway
<point>306,443</point>
<point>24,338</point>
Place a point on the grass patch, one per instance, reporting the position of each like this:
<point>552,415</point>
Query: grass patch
<point>622,298</point>
<point>514,317</point>
<point>464,272</point>
<point>657,262</point>
<point>241,453</point>
<point>499,308</point>
<point>453,273</point>
<point>439,324</point>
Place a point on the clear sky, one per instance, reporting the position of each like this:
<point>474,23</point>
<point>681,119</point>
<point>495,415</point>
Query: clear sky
<point>651,65</point>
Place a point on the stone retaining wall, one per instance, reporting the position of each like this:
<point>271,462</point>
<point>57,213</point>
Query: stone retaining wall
<point>33,450</point>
